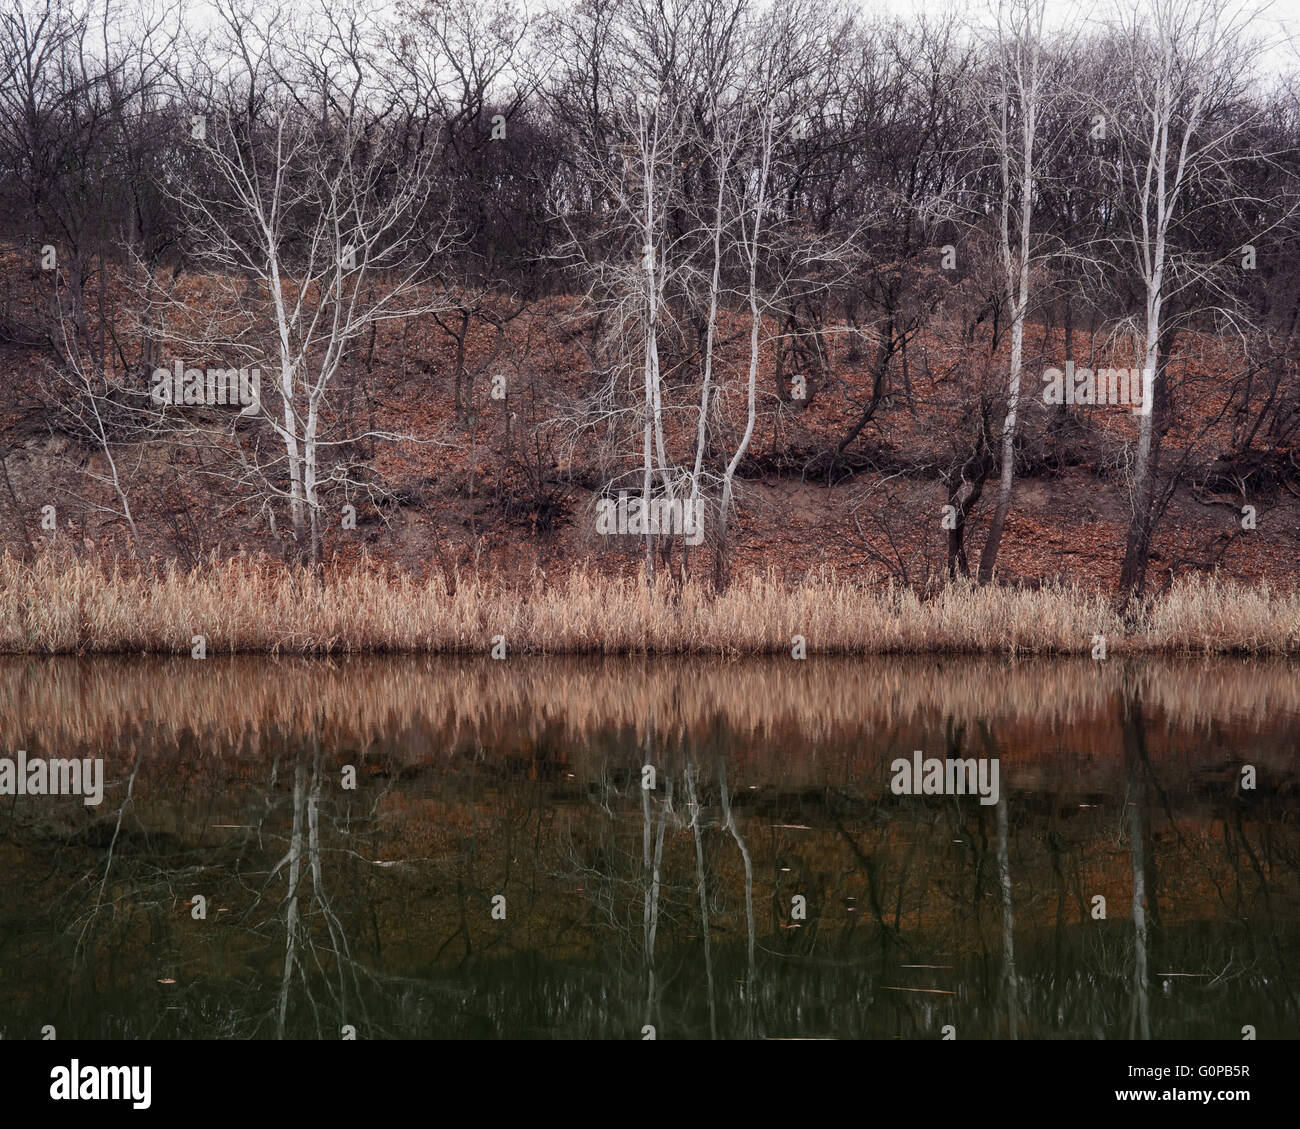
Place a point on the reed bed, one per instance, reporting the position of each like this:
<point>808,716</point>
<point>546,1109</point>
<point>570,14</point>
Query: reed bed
<point>56,606</point>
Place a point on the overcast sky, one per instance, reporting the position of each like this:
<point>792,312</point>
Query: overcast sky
<point>1278,22</point>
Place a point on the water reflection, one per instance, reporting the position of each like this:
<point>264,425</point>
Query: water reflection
<point>765,884</point>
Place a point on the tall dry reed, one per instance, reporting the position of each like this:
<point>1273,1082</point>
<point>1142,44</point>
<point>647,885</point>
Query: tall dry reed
<point>54,606</point>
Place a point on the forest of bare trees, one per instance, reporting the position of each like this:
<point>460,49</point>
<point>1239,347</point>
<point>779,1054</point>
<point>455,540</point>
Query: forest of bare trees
<point>743,209</point>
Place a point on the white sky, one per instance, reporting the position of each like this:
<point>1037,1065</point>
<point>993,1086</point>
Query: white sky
<point>1278,23</point>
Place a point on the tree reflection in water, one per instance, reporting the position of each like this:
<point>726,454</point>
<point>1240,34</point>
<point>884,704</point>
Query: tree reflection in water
<point>631,908</point>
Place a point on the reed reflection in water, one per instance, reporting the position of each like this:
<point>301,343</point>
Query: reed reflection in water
<point>500,869</point>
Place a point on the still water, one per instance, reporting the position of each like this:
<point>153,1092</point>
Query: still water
<point>424,848</point>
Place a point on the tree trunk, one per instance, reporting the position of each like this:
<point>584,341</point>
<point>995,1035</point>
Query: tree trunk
<point>1137,550</point>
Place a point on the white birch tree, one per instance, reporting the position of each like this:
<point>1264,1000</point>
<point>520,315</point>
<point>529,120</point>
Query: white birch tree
<point>1182,64</point>
<point>1019,33</point>
<point>318,232</point>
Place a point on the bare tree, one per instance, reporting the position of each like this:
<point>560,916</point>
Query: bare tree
<point>312,210</point>
<point>1183,66</point>
<point>1020,85</point>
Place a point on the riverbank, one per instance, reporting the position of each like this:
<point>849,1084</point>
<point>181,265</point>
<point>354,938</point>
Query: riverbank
<point>59,606</point>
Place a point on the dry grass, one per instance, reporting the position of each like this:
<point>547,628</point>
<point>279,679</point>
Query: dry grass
<point>61,607</point>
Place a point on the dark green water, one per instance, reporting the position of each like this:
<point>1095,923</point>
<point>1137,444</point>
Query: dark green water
<point>499,870</point>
